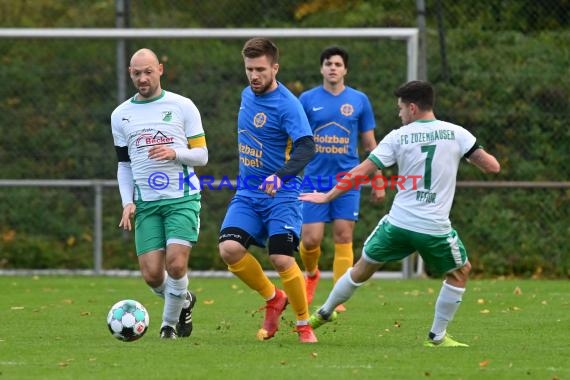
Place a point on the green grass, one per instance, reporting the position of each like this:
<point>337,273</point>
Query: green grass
<point>55,328</point>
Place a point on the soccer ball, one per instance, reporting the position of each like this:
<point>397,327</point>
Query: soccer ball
<point>128,320</point>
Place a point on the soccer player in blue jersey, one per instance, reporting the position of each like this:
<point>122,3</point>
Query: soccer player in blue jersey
<point>339,116</point>
<point>275,143</point>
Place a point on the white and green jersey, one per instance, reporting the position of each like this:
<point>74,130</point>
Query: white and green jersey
<point>427,153</point>
<point>169,119</point>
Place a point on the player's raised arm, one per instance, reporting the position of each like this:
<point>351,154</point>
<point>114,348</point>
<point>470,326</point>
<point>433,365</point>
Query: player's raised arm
<point>357,176</point>
<point>486,162</point>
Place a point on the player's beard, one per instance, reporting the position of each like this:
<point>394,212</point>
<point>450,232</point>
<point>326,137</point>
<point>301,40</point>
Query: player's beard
<point>261,90</point>
<point>147,92</point>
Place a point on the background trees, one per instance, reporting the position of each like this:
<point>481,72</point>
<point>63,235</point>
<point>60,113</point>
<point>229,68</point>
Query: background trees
<point>506,82</point>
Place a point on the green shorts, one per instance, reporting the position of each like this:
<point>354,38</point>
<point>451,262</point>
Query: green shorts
<point>441,253</point>
<point>160,222</point>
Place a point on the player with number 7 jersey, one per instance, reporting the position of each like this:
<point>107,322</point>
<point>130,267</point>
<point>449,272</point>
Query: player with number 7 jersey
<point>418,220</point>
<point>430,150</point>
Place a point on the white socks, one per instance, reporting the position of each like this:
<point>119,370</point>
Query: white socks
<point>446,305</point>
<point>343,289</point>
<point>174,299</point>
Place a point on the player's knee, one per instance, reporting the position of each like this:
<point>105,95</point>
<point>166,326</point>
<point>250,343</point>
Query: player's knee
<point>233,242</point>
<point>229,249</point>
<point>343,231</point>
<point>283,244</point>
<point>177,269</point>
<point>311,242</point>
<point>343,238</point>
<point>154,279</point>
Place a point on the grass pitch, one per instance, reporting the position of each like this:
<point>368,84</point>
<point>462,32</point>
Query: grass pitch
<point>55,328</point>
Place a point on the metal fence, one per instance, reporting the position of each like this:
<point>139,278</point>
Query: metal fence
<point>499,68</point>
<point>410,267</point>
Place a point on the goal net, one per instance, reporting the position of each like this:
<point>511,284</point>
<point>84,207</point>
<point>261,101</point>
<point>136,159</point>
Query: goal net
<point>61,85</point>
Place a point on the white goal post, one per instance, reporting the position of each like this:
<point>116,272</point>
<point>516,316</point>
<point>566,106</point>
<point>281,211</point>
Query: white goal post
<point>409,35</point>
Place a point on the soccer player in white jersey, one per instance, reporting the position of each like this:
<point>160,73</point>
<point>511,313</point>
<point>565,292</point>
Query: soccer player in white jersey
<point>427,152</point>
<point>159,139</point>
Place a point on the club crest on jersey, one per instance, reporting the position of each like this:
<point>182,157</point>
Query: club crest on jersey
<point>166,115</point>
<point>347,109</point>
<point>259,120</point>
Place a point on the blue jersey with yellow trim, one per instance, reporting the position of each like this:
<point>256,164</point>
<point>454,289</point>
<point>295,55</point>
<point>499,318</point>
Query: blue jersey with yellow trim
<point>336,122</point>
<point>268,125</point>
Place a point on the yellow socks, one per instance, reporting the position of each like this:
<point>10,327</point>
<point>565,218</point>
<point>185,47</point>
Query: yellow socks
<point>294,285</point>
<point>310,258</point>
<point>250,272</point>
<point>343,259</point>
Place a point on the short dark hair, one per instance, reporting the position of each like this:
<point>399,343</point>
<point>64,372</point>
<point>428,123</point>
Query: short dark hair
<point>335,50</point>
<point>258,47</point>
<point>419,92</point>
